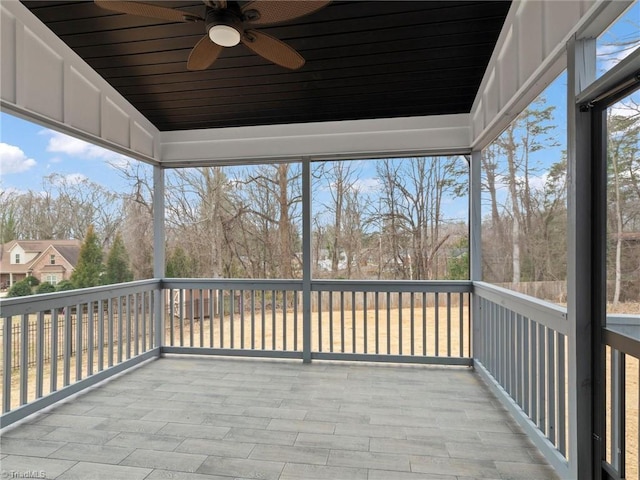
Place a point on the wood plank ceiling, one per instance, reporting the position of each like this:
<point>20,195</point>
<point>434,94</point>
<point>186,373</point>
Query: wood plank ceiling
<point>364,59</point>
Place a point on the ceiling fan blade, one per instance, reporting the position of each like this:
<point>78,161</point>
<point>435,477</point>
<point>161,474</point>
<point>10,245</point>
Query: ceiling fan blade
<point>279,10</point>
<point>146,10</point>
<point>272,49</point>
<point>203,54</point>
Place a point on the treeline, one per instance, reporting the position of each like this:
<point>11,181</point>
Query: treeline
<point>371,219</point>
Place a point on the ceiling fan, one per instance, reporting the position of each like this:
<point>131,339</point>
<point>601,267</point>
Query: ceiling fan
<point>229,23</point>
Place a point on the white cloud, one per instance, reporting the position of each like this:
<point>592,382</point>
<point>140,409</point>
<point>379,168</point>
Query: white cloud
<point>69,179</point>
<point>74,147</point>
<point>366,185</point>
<point>14,160</point>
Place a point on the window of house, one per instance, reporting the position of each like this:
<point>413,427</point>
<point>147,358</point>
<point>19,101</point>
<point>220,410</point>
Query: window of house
<point>52,279</point>
<point>17,258</point>
<point>52,260</point>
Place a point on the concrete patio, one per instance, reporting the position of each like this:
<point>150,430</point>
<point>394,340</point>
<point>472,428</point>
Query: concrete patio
<point>216,418</point>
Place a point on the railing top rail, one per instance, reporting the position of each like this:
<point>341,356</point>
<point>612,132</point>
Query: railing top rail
<point>440,286</point>
<point>47,301</point>
<point>543,312</point>
<point>621,341</point>
<point>232,283</point>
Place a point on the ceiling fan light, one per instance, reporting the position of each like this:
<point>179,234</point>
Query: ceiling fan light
<point>224,35</point>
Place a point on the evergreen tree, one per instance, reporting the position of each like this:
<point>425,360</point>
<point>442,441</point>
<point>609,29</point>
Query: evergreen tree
<point>118,270</point>
<point>179,265</point>
<point>89,269</point>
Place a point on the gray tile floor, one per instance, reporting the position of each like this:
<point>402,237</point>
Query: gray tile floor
<point>219,419</point>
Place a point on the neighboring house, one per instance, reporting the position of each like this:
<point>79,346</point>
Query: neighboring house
<point>48,260</point>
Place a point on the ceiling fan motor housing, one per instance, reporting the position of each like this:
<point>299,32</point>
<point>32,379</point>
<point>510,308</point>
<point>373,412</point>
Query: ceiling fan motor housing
<point>225,16</point>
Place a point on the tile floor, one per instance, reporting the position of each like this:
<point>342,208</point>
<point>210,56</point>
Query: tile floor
<point>194,418</point>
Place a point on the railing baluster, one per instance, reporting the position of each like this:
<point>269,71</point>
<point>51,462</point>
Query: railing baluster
<point>534,373</point>
<point>353,322</point>
<point>172,316</point>
<point>424,323</point>
<point>412,335</point>
<point>231,317</point>
<point>342,321</point>
<point>68,334</point>
<point>136,323</point>
<point>211,316</point>
<point>110,332</point>
<point>53,378</point>
<point>40,355</point>
<point>263,319</point>
<point>295,320</point>
<point>388,305</point>
<point>437,323</point>
<point>191,316</point>
<point>6,366</point>
<point>221,314</point>
<point>320,321</point>
<point>561,375</point>
<point>241,319</point>
<point>253,319</point>
<point>364,321</point>
<point>551,386</point>
<point>24,359</point>
<point>181,317</point>
<point>331,321</point>
<point>120,328</point>
<point>90,334</point>
<point>448,324</point>
<point>461,326</point>
<point>377,321</point>
<point>542,414</point>
<point>399,323</point>
<point>284,320</point>
<point>273,319</point>
<point>143,327</point>
<point>201,317</point>
<point>127,307</point>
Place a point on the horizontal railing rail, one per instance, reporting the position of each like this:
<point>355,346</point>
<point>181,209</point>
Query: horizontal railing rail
<point>621,352</point>
<point>521,350</point>
<point>53,345</point>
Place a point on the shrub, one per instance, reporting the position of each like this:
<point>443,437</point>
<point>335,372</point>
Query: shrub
<point>31,281</point>
<point>46,287</point>
<point>65,285</point>
<point>20,289</point>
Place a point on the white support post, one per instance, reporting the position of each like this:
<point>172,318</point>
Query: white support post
<point>306,260</point>
<point>158,250</point>
<point>584,447</point>
<point>475,242</point>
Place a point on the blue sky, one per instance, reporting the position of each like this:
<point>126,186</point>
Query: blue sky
<point>28,152</point>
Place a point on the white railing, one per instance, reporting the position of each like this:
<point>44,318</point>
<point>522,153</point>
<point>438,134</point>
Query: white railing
<point>406,321</point>
<point>54,345</point>
<point>621,409</point>
<point>520,347</point>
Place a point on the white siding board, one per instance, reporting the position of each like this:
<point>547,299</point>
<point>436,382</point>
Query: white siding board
<point>115,123</point>
<point>530,39</point>
<point>141,139</point>
<point>43,77</point>
<point>8,55</point>
<point>82,102</point>
<point>508,69</point>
